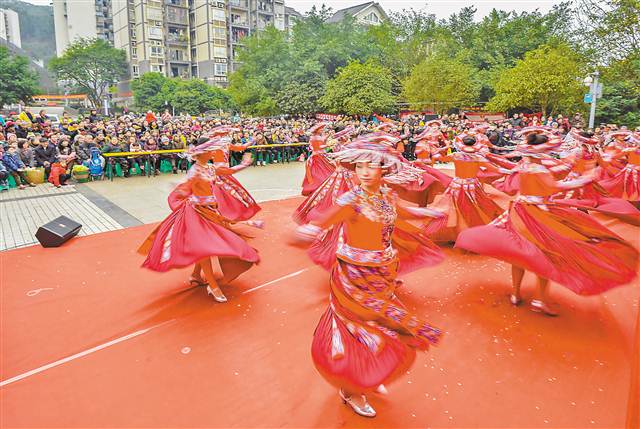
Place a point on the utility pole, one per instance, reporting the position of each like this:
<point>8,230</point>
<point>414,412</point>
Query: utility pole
<point>595,92</point>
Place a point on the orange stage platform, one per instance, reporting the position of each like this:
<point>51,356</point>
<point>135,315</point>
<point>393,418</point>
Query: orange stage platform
<point>89,339</point>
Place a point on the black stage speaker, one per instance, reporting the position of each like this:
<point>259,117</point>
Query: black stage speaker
<point>56,232</point>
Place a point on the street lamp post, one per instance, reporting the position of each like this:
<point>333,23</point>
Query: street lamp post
<point>594,90</point>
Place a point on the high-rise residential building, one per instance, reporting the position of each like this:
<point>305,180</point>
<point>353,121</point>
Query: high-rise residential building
<point>178,38</point>
<point>10,27</point>
<point>81,19</point>
<point>190,38</point>
<point>154,35</point>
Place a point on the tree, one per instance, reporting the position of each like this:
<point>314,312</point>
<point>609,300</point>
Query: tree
<point>441,83</point>
<point>620,102</point>
<point>302,93</point>
<point>195,96</point>
<point>612,27</point>
<point>91,64</point>
<point>152,91</point>
<point>360,89</point>
<point>548,79</point>
<point>17,82</point>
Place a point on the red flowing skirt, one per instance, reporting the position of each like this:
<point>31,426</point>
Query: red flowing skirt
<point>594,197</point>
<point>339,182</point>
<point>367,337</point>
<point>466,205</point>
<point>625,184</point>
<point>557,243</point>
<point>191,233</point>
<point>433,183</point>
<point>234,201</point>
<point>318,169</point>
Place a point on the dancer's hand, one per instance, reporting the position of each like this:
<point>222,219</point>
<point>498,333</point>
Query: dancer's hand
<point>247,159</point>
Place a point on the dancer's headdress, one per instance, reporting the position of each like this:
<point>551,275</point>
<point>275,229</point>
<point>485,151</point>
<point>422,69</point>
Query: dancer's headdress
<point>538,150</point>
<point>375,148</point>
<point>210,145</point>
<point>461,147</point>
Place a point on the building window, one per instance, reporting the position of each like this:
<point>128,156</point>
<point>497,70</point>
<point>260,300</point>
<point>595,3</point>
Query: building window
<point>155,32</point>
<point>156,51</point>
<point>194,71</point>
<point>219,15</point>
<point>220,69</point>
<point>132,32</point>
<point>220,32</point>
<point>135,70</point>
<point>220,51</point>
<point>157,68</point>
<point>134,53</point>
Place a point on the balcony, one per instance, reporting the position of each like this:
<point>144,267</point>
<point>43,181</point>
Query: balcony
<point>154,14</point>
<point>238,4</point>
<point>177,37</point>
<point>177,16</point>
<point>181,3</point>
<point>178,56</point>
<point>239,23</point>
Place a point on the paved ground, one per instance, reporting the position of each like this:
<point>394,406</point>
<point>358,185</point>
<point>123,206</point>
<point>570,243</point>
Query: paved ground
<point>109,205</point>
<point>22,212</point>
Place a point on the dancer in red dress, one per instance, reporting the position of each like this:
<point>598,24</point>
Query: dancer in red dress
<point>592,196</point>
<point>366,338</point>
<point>318,167</point>
<point>234,201</point>
<point>465,202</point>
<point>626,183</point>
<point>556,243</point>
<point>197,233</point>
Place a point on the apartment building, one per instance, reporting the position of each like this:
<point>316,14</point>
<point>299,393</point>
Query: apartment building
<point>10,27</point>
<point>81,19</point>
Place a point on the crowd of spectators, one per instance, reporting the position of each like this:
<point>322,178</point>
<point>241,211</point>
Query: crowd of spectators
<point>30,141</point>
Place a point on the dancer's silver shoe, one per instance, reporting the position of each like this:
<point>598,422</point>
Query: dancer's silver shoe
<point>365,410</point>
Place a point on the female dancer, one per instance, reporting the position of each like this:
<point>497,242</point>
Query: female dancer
<point>197,233</point>
<point>366,337</point>
<point>592,196</point>
<point>554,242</point>
<point>318,166</point>
<point>626,183</point>
<point>234,201</point>
<point>465,201</point>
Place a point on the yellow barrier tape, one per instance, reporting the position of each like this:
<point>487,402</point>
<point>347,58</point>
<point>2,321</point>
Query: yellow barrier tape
<point>153,152</point>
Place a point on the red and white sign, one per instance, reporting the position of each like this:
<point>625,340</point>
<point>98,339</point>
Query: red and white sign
<point>326,117</point>
<point>484,116</point>
<point>406,113</point>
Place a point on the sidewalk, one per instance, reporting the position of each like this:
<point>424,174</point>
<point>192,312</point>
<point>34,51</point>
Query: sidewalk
<point>22,212</point>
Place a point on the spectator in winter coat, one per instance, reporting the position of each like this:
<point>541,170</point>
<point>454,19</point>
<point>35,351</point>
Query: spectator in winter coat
<point>46,154</point>
<point>27,155</point>
<point>59,176</point>
<point>15,167</point>
<point>4,175</point>
<point>154,161</point>
<point>84,148</point>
